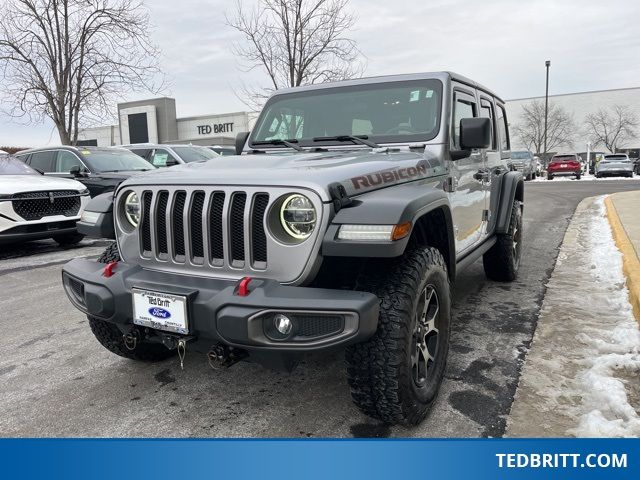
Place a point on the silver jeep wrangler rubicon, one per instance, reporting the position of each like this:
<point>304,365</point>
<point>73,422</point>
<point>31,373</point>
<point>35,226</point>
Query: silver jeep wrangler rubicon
<point>342,224</point>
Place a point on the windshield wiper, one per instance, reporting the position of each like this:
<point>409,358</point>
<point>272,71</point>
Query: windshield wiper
<point>291,143</point>
<point>360,139</point>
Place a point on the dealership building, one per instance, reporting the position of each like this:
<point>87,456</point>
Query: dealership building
<point>155,121</point>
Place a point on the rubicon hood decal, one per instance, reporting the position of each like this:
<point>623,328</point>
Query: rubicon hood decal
<point>390,176</point>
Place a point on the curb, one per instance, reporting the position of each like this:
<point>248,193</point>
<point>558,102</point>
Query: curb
<point>630,261</point>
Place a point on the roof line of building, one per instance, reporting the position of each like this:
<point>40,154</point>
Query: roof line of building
<point>198,117</point>
<point>574,93</point>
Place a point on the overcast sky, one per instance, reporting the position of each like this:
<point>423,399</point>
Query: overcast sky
<point>592,45</point>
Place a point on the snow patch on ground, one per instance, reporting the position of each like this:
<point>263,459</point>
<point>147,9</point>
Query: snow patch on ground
<point>611,353</point>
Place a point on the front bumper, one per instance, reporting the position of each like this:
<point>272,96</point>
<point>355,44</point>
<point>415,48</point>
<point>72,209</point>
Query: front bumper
<point>322,318</point>
<point>37,231</point>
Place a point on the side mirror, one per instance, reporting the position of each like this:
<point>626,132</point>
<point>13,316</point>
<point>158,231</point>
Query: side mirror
<point>475,133</point>
<point>171,162</point>
<point>76,171</point>
<point>241,139</point>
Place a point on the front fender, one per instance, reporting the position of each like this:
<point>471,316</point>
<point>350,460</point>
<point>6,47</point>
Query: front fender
<point>100,225</point>
<point>389,206</point>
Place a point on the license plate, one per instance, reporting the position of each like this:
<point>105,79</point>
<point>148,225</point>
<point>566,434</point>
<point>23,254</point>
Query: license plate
<point>563,165</point>
<point>162,311</point>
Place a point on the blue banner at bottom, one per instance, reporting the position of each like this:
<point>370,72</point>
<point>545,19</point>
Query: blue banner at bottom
<point>319,459</point>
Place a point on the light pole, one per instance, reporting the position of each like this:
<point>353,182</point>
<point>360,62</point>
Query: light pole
<point>546,109</point>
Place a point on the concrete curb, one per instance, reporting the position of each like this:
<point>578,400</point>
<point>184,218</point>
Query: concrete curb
<point>630,262</point>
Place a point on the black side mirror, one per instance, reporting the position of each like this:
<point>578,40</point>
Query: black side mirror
<point>241,139</point>
<point>76,171</point>
<point>475,133</point>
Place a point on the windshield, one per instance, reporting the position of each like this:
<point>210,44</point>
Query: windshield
<point>520,155</point>
<point>615,158</point>
<point>114,160</point>
<point>189,153</point>
<point>13,166</point>
<point>382,112</point>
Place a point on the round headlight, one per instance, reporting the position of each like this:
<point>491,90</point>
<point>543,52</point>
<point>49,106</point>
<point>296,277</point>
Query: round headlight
<point>132,209</point>
<point>298,216</point>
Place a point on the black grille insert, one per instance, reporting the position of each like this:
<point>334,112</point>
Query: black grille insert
<point>146,221</point>
<point>178,224</point>
<point>238,202</point>
<point>259,237</point>
<point>161,222</point>
<point>215,226</point>
<point>319,325</point>
<point>196,236</point>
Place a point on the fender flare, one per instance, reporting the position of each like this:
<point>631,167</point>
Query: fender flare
<point>104,226</point>
<point>512,185</point>
<point>389,206</point>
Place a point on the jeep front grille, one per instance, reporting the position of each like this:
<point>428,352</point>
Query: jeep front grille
<point>198,215</point>
<point>218,231</point>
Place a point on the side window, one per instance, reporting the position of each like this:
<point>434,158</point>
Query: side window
<point>66,160</point>
<point>463,108</point>
<point>43,161</point>
<point>504,129</point>
<point>162,157</point>
<point>486,111</point>
<point>144,153</point>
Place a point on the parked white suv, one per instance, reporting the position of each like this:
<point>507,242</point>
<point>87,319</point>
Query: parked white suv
<point>34,206</point>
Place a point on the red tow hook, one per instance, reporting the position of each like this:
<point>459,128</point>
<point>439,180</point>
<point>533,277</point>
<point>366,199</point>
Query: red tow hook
<point>108,270</point>
<point>243,287</point>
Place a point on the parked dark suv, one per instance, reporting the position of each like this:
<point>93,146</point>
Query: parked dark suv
<point>101,169</point>
<point>343,224</point>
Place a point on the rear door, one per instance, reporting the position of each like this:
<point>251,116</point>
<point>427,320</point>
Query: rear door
<point>468,196</point>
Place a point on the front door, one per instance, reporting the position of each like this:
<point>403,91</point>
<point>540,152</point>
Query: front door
<point>468,190</point>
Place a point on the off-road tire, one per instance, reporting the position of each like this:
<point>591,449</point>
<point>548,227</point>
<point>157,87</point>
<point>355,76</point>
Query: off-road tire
<point>110,336</point>
<point>68,239</point>
<point>501,262</point>
<point>380,371</point>
<point>111,254</point>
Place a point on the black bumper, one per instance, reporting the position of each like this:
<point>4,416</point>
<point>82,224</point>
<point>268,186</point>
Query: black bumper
<point>322,318</point>
<point>37,231</point>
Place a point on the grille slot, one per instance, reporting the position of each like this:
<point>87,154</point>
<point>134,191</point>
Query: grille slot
<point>319,325</point>
<point>146,222</point>
<point>216,238</point>
<point>161,223</point>
<point>195,223</point>
<point>236,225</point>
<point>177,230</point>
<point>37,205</point>
<point>258,235</point>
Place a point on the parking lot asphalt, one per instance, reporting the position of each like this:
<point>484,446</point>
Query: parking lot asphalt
<point>56,380</point>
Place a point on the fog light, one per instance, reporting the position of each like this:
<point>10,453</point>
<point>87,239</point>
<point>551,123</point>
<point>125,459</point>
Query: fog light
<point>283,324</point>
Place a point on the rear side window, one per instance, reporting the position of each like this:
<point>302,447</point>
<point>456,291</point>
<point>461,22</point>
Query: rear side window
<point>505,144</point>
<point>43,161</point>
<point>486,111</point>
<point>463,108</point>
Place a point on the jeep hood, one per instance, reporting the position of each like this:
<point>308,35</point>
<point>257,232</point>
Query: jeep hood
<point>358,170</point>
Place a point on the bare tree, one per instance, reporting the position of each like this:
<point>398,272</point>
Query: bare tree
<point>612,127</point>
<point>295,42</point>
<point>69,59</point>
<point>560,127</point>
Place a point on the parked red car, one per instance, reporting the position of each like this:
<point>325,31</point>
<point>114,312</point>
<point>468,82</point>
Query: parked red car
<point>565,164</point>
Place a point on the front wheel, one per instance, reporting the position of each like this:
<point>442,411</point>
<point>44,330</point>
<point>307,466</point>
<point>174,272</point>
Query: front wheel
<point>68,239</point>
<point>549,176</point>
<point>501,262</point>
<point>578,176</point>
<point>395,376</point>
